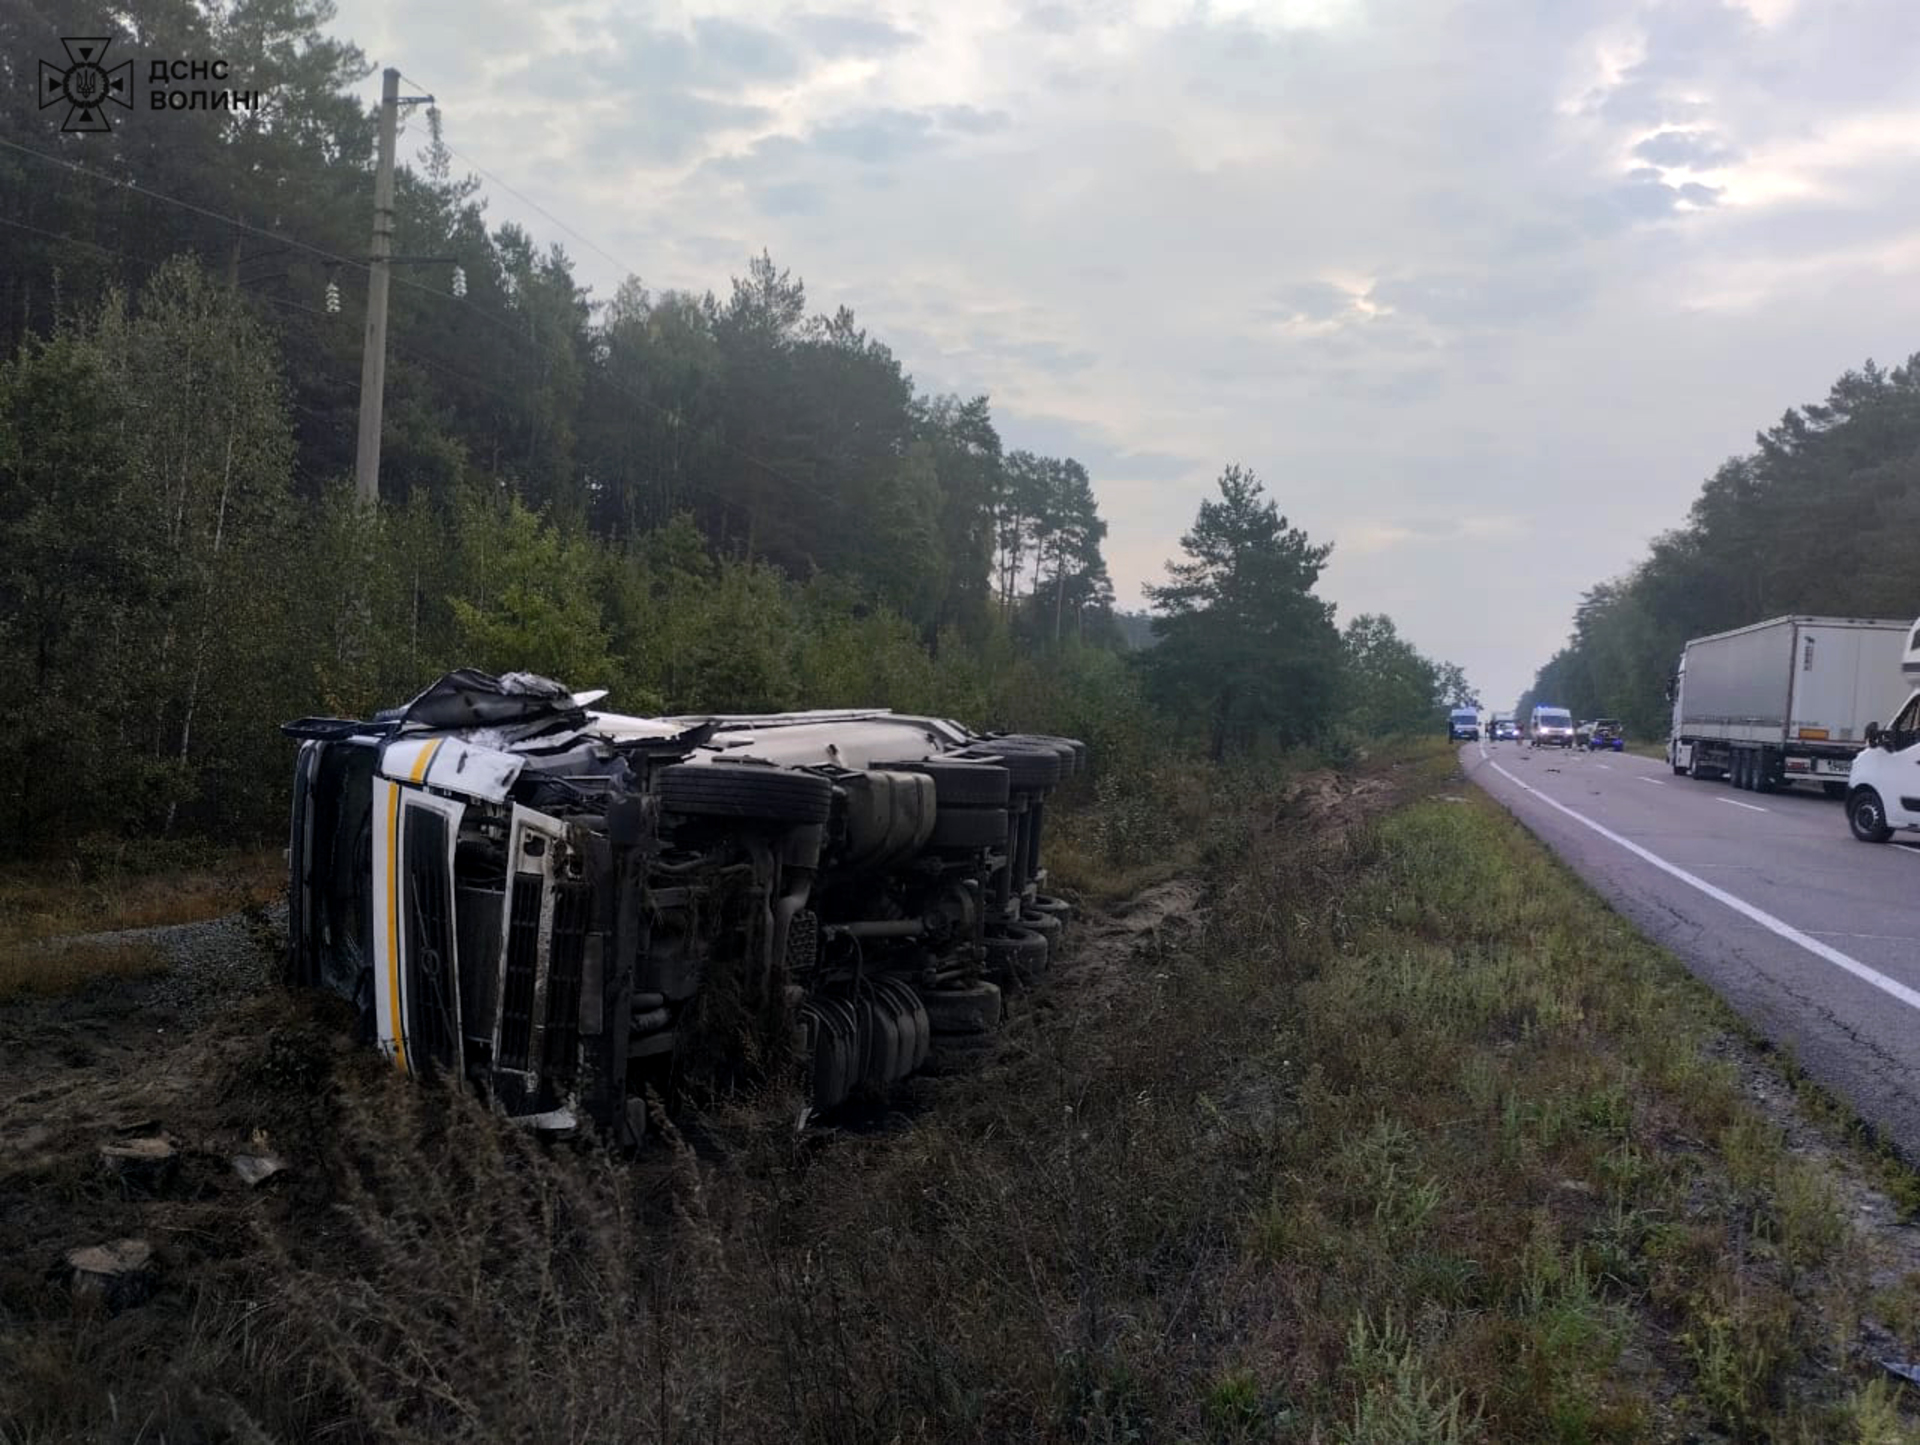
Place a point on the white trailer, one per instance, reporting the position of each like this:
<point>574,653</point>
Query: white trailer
<point>1783,701</point>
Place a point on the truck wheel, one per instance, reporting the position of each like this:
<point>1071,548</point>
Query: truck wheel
<point>1046,925</point>
<point>1029,766</point>
<point>974,1009</point>
<point>1073,752</point>
<point>1057,907</point>
<point>1679,770</point>
<point>1867,816</point>
<point>1018,953</point>
<point>732,790</point>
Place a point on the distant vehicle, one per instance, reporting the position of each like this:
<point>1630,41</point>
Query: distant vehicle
<point>1551,727</point>
<point>1783,701</point>
<point>1464,724</point>
<point>1505,730</point>
<point>1583,732</point>
<point>1882,792</point>
<point>1605,733</point>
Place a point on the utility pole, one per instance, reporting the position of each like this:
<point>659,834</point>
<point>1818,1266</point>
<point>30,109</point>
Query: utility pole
<point>373,355</point>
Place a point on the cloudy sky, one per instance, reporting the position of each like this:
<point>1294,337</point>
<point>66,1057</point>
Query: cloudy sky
<point>1482,291</point>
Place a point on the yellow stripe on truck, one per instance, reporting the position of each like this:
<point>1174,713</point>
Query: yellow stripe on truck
<point>420,767</point>
<point>393,926</point>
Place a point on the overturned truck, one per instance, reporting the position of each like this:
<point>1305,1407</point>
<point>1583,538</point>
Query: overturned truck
<point>579,910</point>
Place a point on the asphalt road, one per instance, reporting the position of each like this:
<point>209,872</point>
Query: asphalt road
<point>1812,937</point>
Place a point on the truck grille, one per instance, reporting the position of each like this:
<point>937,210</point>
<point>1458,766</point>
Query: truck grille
<point>432,1026</point>
<point>572,913</point>
<point>523,954</point>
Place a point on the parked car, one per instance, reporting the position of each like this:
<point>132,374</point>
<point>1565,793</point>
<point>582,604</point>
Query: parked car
<point>1551,727</point>
<point>1605,734</point>
<point>573,908</point>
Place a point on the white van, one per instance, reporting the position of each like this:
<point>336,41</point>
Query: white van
<point>1463,724</point>
<point>1883,785</point>
<point>1552,727</point>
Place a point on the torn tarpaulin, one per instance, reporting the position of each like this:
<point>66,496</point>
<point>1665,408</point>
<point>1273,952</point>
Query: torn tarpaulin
<point>469,698</point>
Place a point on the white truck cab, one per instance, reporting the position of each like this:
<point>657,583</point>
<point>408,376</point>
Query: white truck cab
<point>1883,786</point>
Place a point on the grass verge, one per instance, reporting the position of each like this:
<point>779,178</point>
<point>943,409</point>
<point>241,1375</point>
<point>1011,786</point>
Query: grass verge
<point>108,887</point>
<point>1403,1137</point>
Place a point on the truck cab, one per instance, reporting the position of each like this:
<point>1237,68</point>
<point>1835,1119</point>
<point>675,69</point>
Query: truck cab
<point>1883,785</point>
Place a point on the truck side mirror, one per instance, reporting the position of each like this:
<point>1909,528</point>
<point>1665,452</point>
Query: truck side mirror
<point>1873,734</point>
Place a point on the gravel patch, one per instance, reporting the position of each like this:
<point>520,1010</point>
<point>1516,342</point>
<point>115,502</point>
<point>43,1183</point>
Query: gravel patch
<point>209,964</point>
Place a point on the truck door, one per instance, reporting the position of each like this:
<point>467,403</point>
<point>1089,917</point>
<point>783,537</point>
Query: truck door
<point>1892,768</point>
<point>416,970</point>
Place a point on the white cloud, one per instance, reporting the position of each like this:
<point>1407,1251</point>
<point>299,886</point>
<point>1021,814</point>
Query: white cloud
<point>1432,273</point>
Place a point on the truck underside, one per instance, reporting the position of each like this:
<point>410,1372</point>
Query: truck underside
<point>581,912</point>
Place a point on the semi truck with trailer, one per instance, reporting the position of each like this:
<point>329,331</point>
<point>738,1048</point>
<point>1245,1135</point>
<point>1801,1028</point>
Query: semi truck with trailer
<point>1783,701</point>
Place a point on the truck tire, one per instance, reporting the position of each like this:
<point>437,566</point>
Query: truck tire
<point>1072,753</point>
<point>1055,907</point>
<point>1018,953</point>
<point>1867,816</point>
<point>733,790</point>
<point>974,1009</point>
<point>1029,767</point>
<point>959,785</point>
<point>1047,925</point>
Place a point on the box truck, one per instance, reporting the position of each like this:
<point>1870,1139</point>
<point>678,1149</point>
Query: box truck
<point>1783,701</point>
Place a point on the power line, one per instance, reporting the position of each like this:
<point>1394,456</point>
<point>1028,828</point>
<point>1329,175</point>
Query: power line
<point>67,240</point>
<point>527,200</point>
<point>766,468</point>
<point>129,184</point>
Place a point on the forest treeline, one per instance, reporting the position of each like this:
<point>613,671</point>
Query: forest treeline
<point>699,501</point>
<point>1812,520</point>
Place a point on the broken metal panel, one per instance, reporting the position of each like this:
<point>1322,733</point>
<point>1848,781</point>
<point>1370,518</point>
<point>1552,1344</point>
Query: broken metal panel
<point>536,847</point>
<point>566,958</point>
<point>453,765</point>
<point>430,985</point>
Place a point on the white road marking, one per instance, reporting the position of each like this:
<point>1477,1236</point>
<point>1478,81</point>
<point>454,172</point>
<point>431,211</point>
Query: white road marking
<point>1607,766</point>
<point>1892,987</point>
<point>1735,803</point>
<point>1655,781</point>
